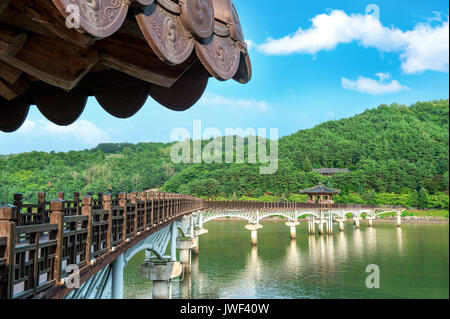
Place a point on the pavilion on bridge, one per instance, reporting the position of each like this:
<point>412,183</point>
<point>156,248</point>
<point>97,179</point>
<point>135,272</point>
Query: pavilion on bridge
<point>320,194</point>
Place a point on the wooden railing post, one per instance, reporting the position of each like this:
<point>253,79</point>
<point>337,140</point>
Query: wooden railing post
<point>18,198</point>
<point>107,205</point>
<point>76,199</point>
<point>134,201</point>
<point>123,203</point>
<point>8,222</point>
<point>86,210</point>
<point>143,197</point>
<point>41,202</point>
<point>57,217</point>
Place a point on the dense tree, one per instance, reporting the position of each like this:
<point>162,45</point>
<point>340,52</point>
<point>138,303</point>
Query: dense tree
<point>396,154</point>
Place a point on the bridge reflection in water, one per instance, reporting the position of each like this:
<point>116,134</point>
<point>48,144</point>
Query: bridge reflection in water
<point>78,248</point>
<point>288,269</point>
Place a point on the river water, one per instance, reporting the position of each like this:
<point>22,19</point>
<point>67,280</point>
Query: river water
<point>413,262</point>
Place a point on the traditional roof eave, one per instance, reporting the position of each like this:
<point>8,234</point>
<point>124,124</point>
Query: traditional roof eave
<point>141,47</point>
<point>320,190</point>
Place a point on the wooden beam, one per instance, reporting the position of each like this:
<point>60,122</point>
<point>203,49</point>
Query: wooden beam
<point>53,61</point>
<point>4,4</point>
<point>133,56</point>
<point>47,15</point>
<point>12,90</point>
<point>11,41</point>
<point>8,72</point>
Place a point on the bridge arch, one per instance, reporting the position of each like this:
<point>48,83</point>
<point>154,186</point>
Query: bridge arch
<point>210,218</point>
<point>387,212</point>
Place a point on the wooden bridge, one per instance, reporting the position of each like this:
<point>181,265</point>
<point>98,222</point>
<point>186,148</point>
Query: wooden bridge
<point>78,248</point>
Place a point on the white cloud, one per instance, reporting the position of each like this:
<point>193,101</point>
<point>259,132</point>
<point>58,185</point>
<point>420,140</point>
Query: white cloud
<point>250,44</point>
<point>423,48</point>
<point>81,131</point>
<point>218,100</point>
<point>374,87</point>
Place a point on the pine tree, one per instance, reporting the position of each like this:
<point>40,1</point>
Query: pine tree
<point>423,198</point>
<point>307,166</point>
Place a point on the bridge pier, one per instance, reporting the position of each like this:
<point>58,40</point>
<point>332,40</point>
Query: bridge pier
<point>370,219</point>
<point>399,220</point>
<point>184,245</point>
<point>117,277</point>
<point>197,233</point>
<point>254,232</point>
<point>330,225</point>
<point>357,220</point>
<point>311,225</point>
<point>161,273</point>
<point>341,223</point>
<point>293,225</point>
<point>320,222</point>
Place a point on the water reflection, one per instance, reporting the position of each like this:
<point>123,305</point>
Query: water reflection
<point>400,241</point>
<point>313,266</point>
<point>371,240</point>
<point>292,260</point>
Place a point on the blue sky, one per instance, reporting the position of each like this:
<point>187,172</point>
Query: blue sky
<point>312,61</point>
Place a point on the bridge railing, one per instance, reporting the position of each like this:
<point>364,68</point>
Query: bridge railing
<point>211,204</point>
<point>38,242</point>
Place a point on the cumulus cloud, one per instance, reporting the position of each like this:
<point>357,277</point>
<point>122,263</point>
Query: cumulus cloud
<point>250,44</point>
<point>374,87</point>
<point>425,47</point>
<point>218,100</point>
<point>81,131</point>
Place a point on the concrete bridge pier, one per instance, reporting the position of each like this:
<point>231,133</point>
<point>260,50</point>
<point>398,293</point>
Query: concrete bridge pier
<point>399,220</point>
<point>161,272</point>
<point>357,222</point>
<point>197,233</point>
<point>117,277</point>
<point>330,225</point>
<point>254,232</point>
<point>341,223</point>
<point>311,225</point>
<point>184,245</point>
<point>293,225</point>
<point>320,222</point>
<point>370,219</point>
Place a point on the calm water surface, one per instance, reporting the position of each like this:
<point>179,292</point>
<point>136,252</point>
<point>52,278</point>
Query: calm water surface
<point>413,263</point>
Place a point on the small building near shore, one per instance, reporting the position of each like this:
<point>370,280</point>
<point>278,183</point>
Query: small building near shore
<point>330,171</point>
<point>320,194</point>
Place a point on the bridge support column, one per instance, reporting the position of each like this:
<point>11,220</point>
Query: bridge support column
<point>320,222</point>
<point>254,232</point>
<point>117,278</point>
<point>173,242</point>
<point>293,225</point>
<point>330,225</point>
<point>195,248</point>
<point>311,225</point>
<point>341,223</point>
<point>161,273</point>
<point>370,219</point>
<point>197,233</point>
<point>184,245</point>
<point>357,220</point>
<point>399,220</point>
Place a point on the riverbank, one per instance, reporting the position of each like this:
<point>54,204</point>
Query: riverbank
<point>405,220</point>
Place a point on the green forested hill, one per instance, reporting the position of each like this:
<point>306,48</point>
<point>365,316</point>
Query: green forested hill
<point>396,154</point>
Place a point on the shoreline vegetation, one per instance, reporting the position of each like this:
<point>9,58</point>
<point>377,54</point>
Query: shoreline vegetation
<point>388,220</point>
